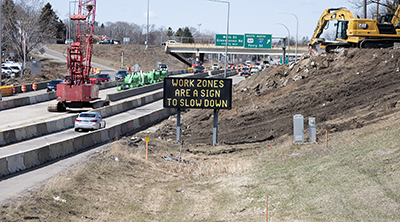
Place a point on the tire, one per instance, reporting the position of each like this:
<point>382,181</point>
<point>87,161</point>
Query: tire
<point>76,129</point>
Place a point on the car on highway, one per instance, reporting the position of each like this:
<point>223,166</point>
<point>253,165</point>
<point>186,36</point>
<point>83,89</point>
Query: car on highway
<point>245,71</point>
<point>103,77</point>
<point>215,67</point>
<point>196,63</point>
<point>198,69</point>
<point>52,85</point>
<point>169,42</point>
<point>163,67</point>
<point>121,74</point>
<point>254,69</point>
<point>89,121</point>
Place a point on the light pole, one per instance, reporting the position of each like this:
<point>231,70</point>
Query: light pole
<point>69,20</point>
<point>227,33</point>
<point>199,26</point>
<point>147,34</point>
<point>288,33</point>
<point>297,30</point>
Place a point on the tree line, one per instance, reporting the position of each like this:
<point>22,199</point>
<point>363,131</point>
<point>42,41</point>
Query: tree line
<point>34,23</point>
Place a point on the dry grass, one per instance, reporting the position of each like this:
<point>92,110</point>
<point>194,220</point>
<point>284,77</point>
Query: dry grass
<point>355,179</point>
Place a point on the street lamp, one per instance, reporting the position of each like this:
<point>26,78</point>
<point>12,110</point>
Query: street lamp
<point>199,26</point>
<point>227,33</point>
<point>147,34</point>
<point>287,31</point>
<point>297,30</point>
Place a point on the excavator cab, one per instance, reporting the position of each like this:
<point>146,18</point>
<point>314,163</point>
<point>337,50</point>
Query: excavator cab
<point>341,30</point>
<point>386,18</point>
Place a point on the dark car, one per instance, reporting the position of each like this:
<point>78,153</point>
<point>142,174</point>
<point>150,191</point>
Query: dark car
<point>121,74</point>
<point>198,69</point>
<point>52,85</point>
<point>103,77</point>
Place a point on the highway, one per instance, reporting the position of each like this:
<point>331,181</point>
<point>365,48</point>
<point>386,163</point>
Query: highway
<point>18,184</point>
<point>37,113</point>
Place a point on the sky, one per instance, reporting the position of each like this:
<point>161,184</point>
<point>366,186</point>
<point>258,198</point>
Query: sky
<point>246,16</point>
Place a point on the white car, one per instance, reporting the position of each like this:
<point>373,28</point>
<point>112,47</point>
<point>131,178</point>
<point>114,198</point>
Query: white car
<point>89,121</point>
<point>254,69</point>
<point>169,42</point>
<point>15,67</point>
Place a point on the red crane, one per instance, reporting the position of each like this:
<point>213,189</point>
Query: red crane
<point>76,91</point>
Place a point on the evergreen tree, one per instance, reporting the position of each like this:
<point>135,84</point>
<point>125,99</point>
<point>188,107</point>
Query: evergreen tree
<point>188,35</point>
<point>170,32</point>
<point>179,33</point>
<point>50,24</point>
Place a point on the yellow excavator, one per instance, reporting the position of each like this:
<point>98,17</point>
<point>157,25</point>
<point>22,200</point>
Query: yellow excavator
<point>355,32</point>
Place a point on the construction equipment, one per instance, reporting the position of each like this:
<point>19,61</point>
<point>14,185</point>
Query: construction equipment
<point>355,32</point>
<point>141,78</point>
<point>76,91</point>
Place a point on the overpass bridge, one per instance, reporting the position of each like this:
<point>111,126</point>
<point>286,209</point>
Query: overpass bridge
<point>201,49</point>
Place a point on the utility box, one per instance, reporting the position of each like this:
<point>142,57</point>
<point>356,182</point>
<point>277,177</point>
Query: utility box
<point>298,128</point>
<point>312,129</point>
<point>36,67</point>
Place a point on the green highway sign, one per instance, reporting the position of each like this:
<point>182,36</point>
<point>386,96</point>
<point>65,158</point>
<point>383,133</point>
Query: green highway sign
<point>234,40</point>
<point>258,41</point>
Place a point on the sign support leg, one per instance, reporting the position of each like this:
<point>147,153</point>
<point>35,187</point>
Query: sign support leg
<point>215,128</point>
<point>178,125</point>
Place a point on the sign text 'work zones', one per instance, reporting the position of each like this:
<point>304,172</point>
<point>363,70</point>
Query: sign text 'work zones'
<point>197,93</point>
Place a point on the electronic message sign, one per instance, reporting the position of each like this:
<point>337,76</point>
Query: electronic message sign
<point>198,93</point>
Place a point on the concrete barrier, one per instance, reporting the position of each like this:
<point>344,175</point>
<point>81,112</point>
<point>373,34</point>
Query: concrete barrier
<point>15,162</point>
<point>44,154</point>
<point>41,129</point>
<point>78,143</point>
<point>133,92</point>
<point>2,142</point>
<point>34,157</point>
<point>23,133</point>
<point>9,136</point>
<point>32,99</point>
<point>31,158</point>
<point>3,167</point>
<point>56,150</point>
<point>67,147</point>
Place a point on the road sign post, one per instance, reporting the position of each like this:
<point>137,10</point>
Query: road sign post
<point>147,139</point>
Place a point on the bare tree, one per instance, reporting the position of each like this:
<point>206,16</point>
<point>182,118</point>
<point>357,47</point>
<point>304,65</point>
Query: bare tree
<point>22,23</point>
<point>385,6</point>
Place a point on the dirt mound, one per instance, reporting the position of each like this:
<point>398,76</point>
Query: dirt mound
<point>345,91</point>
